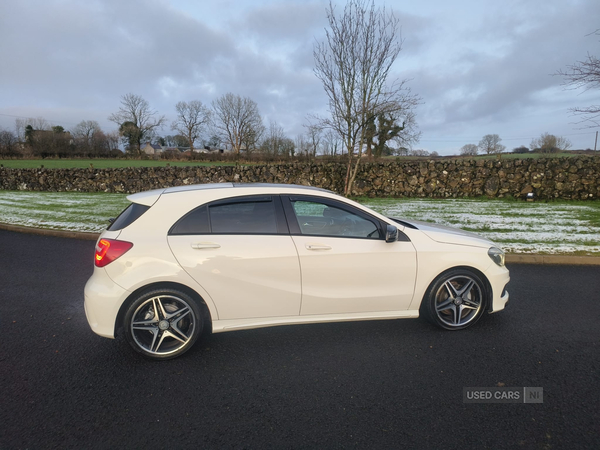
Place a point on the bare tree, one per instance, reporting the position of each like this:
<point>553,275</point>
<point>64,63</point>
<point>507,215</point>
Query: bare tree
<point>38,123</point>
<point>8,143</point>
<point>84,132</point>
<point>548,143</point>
<point>112,140</point>
<point>331,143</point>
<point>302,145</point>
<point>585,74</point>
<point>86,129</point>
<point>237,121</point>
<point>20,125</point>
<point>252,138</point>
<point>288,147</point>
<point>89,138</point>
<point>353,63</point>
<point>273,143</point>
<point>469,150</point>
<point>191,120</point>
<point>490,143</point>
<point>83,135</point>
<point>137,114</point>
<point>410,133</point>
<point>314,135</point>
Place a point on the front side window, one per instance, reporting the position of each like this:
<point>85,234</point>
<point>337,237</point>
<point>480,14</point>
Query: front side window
<point>321,219</point>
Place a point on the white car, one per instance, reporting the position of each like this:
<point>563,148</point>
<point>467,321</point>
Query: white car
<point>237,256</point>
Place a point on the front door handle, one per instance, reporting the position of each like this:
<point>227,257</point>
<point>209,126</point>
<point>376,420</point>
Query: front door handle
<point>205,245</point>
<point>317,247</point>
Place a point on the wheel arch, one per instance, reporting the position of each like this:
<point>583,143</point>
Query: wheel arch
<point>488,287</point>
<point>207,318</point>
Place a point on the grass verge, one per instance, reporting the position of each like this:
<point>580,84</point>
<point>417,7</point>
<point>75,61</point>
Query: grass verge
<point>558,227</point>
<point>101,163</point>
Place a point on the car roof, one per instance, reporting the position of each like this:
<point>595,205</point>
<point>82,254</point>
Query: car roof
<point>194,187</point>
<point>150,197</point>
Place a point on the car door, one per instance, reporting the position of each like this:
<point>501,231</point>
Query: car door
<point>347,266</point>
<point>240,251</point>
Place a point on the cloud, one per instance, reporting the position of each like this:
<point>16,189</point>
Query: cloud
<point>507,70</point>
<point>80,52</point>
<point>479,67</point>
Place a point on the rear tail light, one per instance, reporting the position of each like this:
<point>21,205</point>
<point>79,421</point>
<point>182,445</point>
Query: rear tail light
<point>107,250</point>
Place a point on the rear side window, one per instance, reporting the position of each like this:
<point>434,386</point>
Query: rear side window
<point>236,216</point>
<point>128,216</point>
<point>243,218</point>
<point>196,222</point>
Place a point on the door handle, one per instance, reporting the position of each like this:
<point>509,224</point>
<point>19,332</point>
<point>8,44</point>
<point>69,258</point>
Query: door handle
<point>205,245</point>
<point>317,247</point>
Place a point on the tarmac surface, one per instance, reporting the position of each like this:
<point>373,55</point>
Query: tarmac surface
<point>377,384</point>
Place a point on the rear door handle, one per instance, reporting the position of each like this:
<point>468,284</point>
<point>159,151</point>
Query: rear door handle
<point>205,245</point>
<point>317,247</point>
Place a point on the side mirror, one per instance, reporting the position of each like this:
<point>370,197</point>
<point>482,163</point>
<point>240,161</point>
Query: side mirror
<point>391,233</point>
<point>111,220</point>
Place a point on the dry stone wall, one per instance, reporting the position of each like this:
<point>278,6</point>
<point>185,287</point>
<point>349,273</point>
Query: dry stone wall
<point>561,178</point>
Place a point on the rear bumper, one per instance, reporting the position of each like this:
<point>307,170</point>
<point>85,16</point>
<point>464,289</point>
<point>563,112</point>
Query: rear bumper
<point>103,299</point>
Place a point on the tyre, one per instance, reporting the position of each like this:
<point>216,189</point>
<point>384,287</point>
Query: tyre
<point>455,300</point>
<point>162,324</point>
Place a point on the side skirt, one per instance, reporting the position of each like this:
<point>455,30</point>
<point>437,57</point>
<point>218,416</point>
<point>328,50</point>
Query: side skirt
<point>220,326</point>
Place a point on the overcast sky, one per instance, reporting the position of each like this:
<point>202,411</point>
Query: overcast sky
<point>480,66</point>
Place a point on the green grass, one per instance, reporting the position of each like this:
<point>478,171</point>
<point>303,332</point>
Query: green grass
<point>101,163</point>
<point>554,227</point>
<point>557,227</point>
<point>527,155</point>
<point>71,211</point>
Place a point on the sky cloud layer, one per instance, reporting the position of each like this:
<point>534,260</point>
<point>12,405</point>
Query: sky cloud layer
<point>480,67</point>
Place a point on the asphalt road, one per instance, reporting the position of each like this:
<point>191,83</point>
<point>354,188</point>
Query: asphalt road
<point>381,384</point>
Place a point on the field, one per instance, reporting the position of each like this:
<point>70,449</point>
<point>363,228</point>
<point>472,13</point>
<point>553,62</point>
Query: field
<point>518,227</point>
<point>101,163</point>
<point>67,211</point>
<point>559,227</point>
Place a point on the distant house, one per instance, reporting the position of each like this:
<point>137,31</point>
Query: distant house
<point>152,149</point>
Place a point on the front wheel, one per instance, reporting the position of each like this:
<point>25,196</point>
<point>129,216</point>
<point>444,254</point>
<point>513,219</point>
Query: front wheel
<point>455,300</point>
<point>162,324</point>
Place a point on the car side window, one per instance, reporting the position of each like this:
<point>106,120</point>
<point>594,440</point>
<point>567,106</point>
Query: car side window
<point>253,217</point>
<point>320,219</point>
<point>194,222</point>
<point>236,216</point>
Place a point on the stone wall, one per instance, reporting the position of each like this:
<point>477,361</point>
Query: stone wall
<point>564,178</point>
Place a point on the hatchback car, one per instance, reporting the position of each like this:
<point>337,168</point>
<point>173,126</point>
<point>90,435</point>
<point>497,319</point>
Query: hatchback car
<point>238,256</point>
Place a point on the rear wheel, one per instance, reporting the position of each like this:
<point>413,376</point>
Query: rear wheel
<point>455,300</point>
<point>162,324</point>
